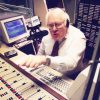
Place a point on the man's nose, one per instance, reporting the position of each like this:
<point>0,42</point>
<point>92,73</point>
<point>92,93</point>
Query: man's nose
<point>54,27</point>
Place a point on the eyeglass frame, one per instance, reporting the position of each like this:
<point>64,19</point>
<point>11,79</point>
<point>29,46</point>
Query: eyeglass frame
<point>57,25</point>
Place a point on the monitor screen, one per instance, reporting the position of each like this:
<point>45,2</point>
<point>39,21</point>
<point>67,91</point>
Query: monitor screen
<point>13,29</point>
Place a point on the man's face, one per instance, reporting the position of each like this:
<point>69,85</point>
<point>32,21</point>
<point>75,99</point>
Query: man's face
<point>57,27</point>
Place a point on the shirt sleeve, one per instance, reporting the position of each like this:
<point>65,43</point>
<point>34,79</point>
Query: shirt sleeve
<point>41,50</point>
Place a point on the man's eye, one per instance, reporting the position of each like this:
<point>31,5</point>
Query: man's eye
<point>51,25</point>
<point>57,24</point>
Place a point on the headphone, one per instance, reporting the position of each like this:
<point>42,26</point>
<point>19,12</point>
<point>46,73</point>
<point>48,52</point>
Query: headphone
<point>67,23</point>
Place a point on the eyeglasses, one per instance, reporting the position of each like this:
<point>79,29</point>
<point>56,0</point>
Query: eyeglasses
<point>57,25</point>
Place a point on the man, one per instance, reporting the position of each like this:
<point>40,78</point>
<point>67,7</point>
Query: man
<point>72,43</point>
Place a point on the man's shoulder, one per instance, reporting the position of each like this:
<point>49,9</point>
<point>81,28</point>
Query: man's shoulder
<point>74,29</point>
<point>47,37</point>
<point>76,32</point>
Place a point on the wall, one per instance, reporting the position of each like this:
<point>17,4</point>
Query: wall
<point>40,9</point>
<point>70,8</point>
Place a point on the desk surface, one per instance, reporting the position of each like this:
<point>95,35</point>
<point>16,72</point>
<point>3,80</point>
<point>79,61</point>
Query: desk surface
<point>4,48</point>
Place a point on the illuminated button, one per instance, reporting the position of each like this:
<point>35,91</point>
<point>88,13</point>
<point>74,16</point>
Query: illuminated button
<point>13,90</point>
<point>1,88</point>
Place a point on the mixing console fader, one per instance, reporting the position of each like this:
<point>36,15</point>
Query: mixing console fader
<point>17,84</point>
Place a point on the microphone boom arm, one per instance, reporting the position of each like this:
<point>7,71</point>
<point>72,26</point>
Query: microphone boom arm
<point>16,9</point>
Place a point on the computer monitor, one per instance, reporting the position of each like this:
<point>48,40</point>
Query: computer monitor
<point>13,29</point>
<point>35,21</point>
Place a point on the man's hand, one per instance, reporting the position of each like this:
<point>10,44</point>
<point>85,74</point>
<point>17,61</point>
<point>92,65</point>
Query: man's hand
<point>33,61</point>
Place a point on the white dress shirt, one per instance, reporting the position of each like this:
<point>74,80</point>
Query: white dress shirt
<point>70,52</point>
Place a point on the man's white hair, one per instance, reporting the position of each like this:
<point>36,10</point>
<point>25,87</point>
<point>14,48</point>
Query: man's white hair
<point>61,12</point>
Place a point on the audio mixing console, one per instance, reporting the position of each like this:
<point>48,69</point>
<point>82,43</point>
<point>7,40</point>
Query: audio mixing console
<point>18,84</point>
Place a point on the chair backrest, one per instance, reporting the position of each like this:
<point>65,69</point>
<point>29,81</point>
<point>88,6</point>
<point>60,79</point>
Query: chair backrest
<point>87,20</point>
